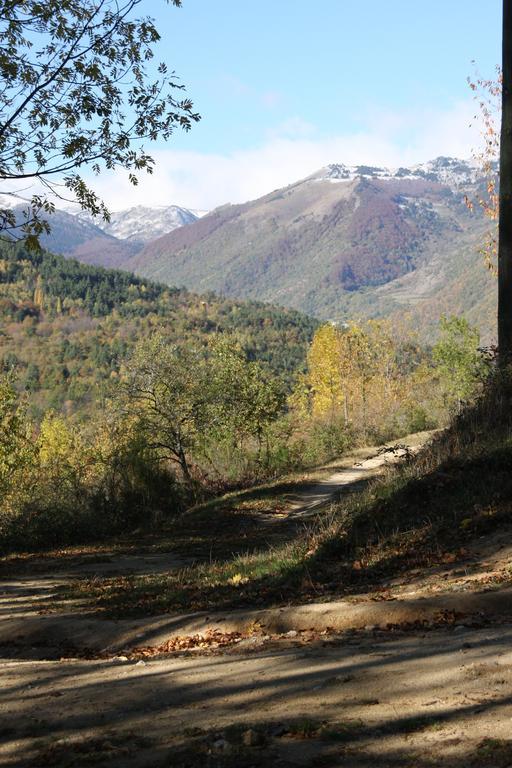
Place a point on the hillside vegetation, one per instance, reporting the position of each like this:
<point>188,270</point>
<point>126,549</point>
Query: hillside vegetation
<point>410,524</point>
<point>124,402</point>
<point>66,328</point>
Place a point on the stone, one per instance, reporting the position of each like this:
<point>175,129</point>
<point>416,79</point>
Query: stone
<point>220,744</point>
<point>252,738</point>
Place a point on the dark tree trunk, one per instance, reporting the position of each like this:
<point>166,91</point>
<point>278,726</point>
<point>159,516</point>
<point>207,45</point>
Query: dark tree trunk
<point>184,466</point>
<point>505,221</point>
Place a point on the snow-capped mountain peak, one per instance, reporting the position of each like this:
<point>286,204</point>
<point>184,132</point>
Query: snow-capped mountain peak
<point>141,223</point>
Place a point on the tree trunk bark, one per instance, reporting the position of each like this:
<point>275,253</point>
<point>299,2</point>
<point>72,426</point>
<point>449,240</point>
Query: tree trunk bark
<point>505,219</point>
<point>184,465</point>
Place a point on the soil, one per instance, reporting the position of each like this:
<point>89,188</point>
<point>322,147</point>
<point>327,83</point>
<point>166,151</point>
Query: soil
<point>357,699</point>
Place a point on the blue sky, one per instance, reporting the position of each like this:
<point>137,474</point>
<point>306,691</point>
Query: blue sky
<point>284,87</point>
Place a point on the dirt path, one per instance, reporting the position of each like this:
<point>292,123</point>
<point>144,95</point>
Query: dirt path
<point>417,699</point>
<point>30,586</point>
<point>306,502</point>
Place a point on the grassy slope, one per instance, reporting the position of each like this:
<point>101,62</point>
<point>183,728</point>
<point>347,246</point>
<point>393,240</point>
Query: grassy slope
<point>459,285</point>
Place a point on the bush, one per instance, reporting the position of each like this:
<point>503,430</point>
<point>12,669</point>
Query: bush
<point>323,441</point>
<point>68,486</point>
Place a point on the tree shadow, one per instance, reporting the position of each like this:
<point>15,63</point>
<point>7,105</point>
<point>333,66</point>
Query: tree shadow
<point>365,701</point>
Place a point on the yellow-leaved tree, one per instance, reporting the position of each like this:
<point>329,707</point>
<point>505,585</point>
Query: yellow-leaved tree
<point>360,378</point>
<point>324,372</point>
<point>16,448</point>
<point>369,373</point>
<point>63,463</point>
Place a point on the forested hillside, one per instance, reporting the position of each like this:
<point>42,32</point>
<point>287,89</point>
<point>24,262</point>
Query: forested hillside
<point>66,327</point>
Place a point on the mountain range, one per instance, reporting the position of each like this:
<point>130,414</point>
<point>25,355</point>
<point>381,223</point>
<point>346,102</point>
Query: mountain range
<point>345,242</point>
<point>75,233</point>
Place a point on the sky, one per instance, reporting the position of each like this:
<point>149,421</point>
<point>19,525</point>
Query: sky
<point>285,87</point>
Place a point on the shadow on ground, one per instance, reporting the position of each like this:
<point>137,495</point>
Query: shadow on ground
<point>433,699</point>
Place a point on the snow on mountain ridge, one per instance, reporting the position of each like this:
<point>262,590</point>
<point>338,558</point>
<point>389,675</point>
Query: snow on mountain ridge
<point>141,223</point>
<point>445,170</point>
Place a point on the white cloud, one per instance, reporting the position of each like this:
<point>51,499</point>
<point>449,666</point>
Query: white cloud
<point>292,128</point>
<point>271,99</point>
<point>291,152</point>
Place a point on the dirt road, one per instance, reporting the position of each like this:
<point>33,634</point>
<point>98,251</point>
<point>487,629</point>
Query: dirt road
<point>359,699</point>
<point>29,586</point>
<point>306,502</point>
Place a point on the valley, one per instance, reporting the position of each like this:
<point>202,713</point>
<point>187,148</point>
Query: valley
<point>346,243</point>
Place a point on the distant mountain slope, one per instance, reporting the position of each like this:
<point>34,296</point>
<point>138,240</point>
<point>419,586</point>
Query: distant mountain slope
<point>84,240</point>
<point>111,244</point>
<point>453,281</point>
<point>141,224</point>
<point>335,243</point>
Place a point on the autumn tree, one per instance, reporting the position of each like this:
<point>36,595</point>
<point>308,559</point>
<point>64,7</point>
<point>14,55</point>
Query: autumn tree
<point>245,397</point>
<point>324,371</point>
<point>367,380</point>
<point>15,446</point>
<point>166,390</point>
<point>185,398</point>
<point>78,90</point>
<point>369,370</point>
